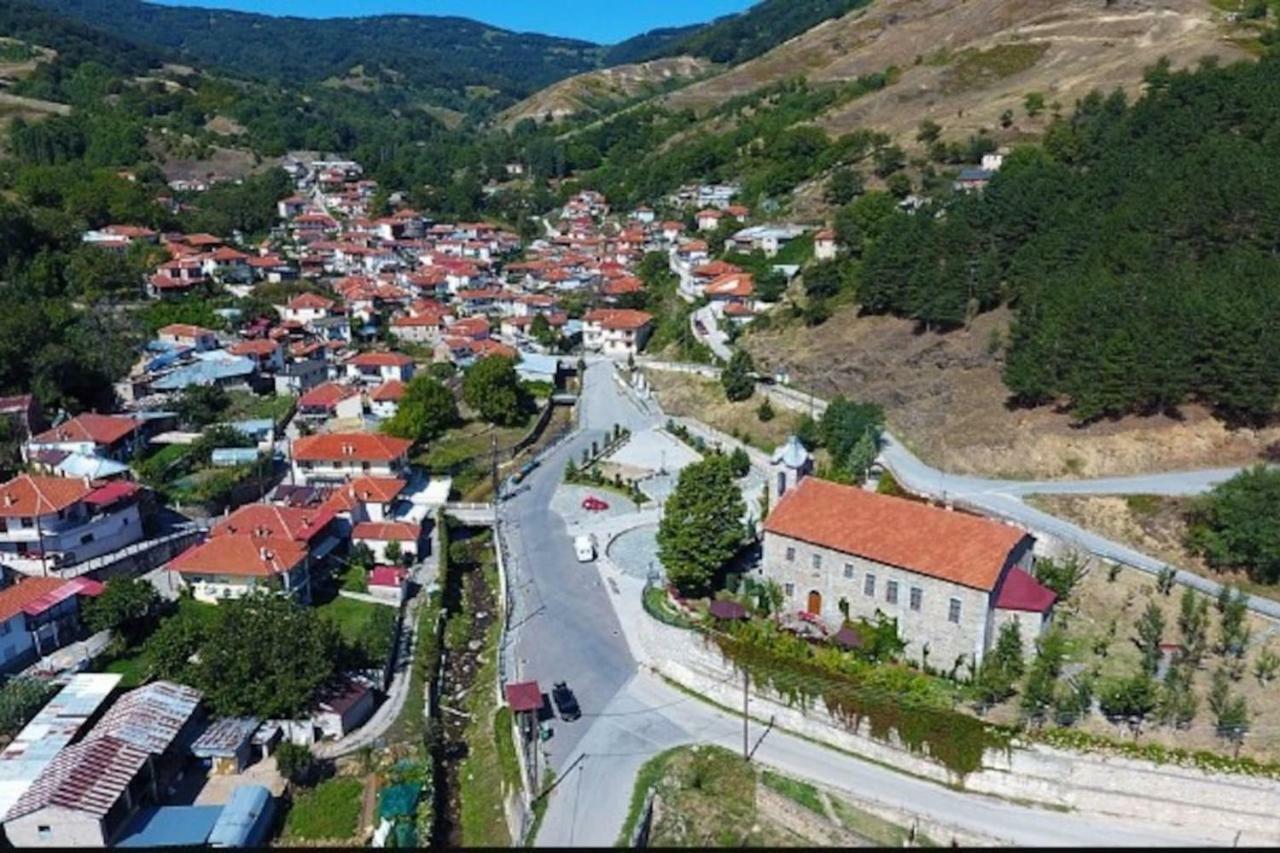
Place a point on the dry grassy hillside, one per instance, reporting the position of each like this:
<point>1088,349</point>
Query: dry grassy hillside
<point>965,62</point>
<point>609,85</point>
<point>943,395</point>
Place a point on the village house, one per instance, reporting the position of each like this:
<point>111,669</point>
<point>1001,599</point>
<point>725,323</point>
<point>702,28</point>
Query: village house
<point>377,536</point>
<point>258,545</point>
<point>50,523</point>
<point>40,615</point>
<point>824,245</point>
<point>384,401</point>
<point>329,401</point>
<point>108,436</point>
<point>186,335</point>
<point>616,332</point>
<point>378,367</point>
<point>949,579</point>
<point>709,220</point>
<point>267,355</point>
<point>338,457</point>
<point>306,308</point>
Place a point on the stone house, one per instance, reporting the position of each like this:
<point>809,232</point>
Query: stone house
<point>950,579</point>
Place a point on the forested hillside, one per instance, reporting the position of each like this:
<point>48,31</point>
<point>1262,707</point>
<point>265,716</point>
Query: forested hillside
<point>1140,248</point>
<point>441,54</point>
<point>737,38</point>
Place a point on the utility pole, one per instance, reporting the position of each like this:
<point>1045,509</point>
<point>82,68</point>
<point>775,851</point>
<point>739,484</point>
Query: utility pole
<point>746,720</point>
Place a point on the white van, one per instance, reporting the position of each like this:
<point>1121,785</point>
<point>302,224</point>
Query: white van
<point>585,547</point>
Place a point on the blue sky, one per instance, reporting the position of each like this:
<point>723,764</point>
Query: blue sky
<point>594,20</point>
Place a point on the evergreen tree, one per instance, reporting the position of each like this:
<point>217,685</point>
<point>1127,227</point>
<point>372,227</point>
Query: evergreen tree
<point>701,526</point>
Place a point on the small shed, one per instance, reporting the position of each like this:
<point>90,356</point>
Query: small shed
<point>226,747</point>
<point>343,707</point>
<point>266,738</point>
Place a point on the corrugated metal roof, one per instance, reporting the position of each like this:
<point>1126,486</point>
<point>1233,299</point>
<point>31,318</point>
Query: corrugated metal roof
<point>88,777</point>
<point>51,729</point>
<point>224,736</point>
<point>150,717</point>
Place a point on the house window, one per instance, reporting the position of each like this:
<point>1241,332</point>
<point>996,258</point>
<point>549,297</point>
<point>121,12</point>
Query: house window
<point>4,628</point>
<point>791,554</point>
<point>86,539</point>
<point>789,589</point>
<point>953,613</point>
<point>848,570</point>
<point>869,585</point>
<point>917,597</point>
<point>817,561</point>
<point>44,831</point>
<point>891,592</point>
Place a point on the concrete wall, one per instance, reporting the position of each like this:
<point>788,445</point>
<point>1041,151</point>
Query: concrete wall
<point>1212,805</point>
<point>61,828</point>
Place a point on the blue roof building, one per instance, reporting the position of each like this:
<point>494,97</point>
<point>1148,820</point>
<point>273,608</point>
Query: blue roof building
<point>170,826</point>
<point>222,369</point>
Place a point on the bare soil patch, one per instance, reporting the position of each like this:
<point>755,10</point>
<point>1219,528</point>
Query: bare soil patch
<point>943,395</point>
<point>686,395</point>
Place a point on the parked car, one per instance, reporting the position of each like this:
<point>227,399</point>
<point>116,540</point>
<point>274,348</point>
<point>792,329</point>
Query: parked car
<point>591,503</point>
<point>585,548</point>
<point>566,703</point>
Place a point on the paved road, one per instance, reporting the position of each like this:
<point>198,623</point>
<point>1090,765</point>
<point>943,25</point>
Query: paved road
<point>647,716</point>
<point>562,625</point>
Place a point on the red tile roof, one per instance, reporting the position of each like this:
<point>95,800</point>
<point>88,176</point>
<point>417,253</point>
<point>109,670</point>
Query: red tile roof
<point>358,446</point>
<point>26,496</point>
<point>241,555</point>
<point>381,359</point>
<point>377,489</point>
<point>619,318</point>
<point>737,285</point>
<point>16,598</point>
<point>387,531</point>
<point>327,395</point>
<point>266,521</point>
<point>183,330</point>
<point>310,300</point>
<point>388,392</point>
<point>951,546</point>
<point>257,348</point>
<point>99,429</point>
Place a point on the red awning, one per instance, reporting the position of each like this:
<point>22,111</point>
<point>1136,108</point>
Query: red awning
<point>1023,592</point>
<point>525,696</point>
<point>111,492</point>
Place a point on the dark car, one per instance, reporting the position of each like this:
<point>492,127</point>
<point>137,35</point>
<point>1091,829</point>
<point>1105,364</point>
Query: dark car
<point>566,704</point>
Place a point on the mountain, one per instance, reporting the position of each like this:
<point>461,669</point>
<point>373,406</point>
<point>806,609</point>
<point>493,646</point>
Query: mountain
<point>650,45</point>
<point>423,51</point>
<point>746,35</point>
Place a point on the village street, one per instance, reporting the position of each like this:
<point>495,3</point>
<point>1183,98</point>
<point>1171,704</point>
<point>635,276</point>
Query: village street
<point>573,622</point>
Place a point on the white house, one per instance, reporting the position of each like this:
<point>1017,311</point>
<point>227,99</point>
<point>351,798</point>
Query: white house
<point>378,536</point>
<point>616,332</point>
<point>49,523</point>
<point>339,457</point>
<point>379,367</point>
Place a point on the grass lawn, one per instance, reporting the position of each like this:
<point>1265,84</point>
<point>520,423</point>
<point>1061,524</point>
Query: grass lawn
<point>245,405</point>
<point>483,775</point>
<point>794,790</point>
<point>350,616</point>
<point>328,812</point>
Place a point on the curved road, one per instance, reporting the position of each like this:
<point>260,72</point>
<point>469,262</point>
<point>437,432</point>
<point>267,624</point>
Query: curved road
<point>564,627</point>
<point>1004,498</point>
